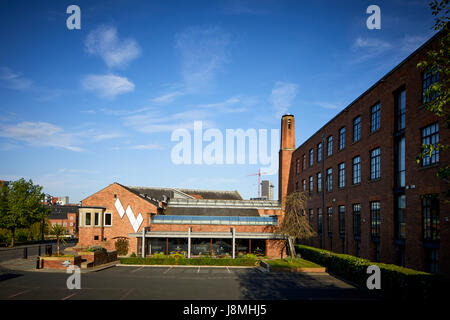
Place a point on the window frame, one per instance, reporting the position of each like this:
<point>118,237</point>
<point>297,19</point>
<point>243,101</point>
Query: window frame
<point>357,171</point>
<point>356,129</point>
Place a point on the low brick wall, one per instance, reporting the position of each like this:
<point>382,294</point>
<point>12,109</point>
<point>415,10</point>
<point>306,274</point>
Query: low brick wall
<point>97,258</point>
<point>57,262</point>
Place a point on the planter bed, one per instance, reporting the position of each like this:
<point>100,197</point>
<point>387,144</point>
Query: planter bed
<point>191,262</point>
<point>56,262</point>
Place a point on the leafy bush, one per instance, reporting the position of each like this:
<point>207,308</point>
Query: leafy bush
<point>194,261</point>
<point>122,245</point>
<point>396,281</point>
<point>5,237</point>
<point>22,235</point>
<point>133,255</point>
<point>159,256</point>
<point>95,248</point>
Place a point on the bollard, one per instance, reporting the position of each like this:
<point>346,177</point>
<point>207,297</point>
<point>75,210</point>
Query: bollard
<point>25,253</point>
<point>38,260</point>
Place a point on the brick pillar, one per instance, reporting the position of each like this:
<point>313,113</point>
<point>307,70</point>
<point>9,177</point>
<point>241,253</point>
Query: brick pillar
<point>287,146</point>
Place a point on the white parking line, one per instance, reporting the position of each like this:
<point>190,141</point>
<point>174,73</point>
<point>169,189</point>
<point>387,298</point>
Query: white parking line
<point>137,269</point>
<point>18,294</point>
<point>198,270</point>
<point>167,270</point>
<point>228,270</point>
<point>126,294</point>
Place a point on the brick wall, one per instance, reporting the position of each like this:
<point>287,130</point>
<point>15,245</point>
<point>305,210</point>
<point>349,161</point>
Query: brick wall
<point>408,76</point>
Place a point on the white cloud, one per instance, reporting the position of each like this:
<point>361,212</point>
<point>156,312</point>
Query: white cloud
<point>204,51</point>
<point>326,105</point>
<point>104,42</point>
<point>282,96</point>
<point>168,97</point>
<point>370,43</point>
<point>41,134</point>
<point>411,43</point>
<point>12,80</point>
<point>107,86</point>
<point>106,136</point>
<point>146,147</point>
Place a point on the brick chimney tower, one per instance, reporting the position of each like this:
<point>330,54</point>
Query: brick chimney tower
<point>287,146</point>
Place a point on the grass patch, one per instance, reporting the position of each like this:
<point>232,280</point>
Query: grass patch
<point>191,262</point>
<point>292,263</point>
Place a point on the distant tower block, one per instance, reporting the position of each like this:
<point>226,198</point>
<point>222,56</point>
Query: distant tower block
<point>267,190</point>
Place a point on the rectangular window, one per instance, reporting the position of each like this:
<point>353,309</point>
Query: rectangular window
<point>330,220</point>
<point>377,252</point>
<point>429,77</point>
<point>399,154</point>
<point>319,220</point>
<point>342,138</point>
<point>108,219</point>
<point>430,141</point>
<point>330,146</point>
<point>311,157</point>
<point>357,220</point>
<point>375,161</point>
<point>400,221</point>
<point>433,260</point>
<point>329,179</point>
<point>375,219</point>
<point>400,110</point>
<point>342,220</point>
<point>311,215</point>
<point>357,129</point>
<point>304,162</point>
<point>319,152</point>
<point>356,170</point>
<point>88,219</point>
<point>319,182</point>
<point>297,166</point>
<point>304,184</point>
<point>96,219</point>
<point>311,184</point>
<point>341,175</point>
<point>296,185</point>
<point>430,214</point>
<point>375,118</point>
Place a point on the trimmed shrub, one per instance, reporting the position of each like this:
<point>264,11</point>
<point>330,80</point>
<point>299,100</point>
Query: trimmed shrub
<point>396,282</point>
<point>133,255</point>
<point>95,248</point>
<point>122,245</point>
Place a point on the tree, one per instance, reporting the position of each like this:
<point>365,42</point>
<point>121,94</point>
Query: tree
<point>58,231</point>
<point>20,205</point>
<point>437,96</point>
<point>295,224</point>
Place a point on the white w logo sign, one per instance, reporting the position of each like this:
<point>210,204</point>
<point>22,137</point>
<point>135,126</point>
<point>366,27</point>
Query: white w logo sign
<point>136,223</point>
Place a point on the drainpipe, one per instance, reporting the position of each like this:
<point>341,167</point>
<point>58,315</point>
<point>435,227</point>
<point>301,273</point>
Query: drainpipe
<point>233,233</point>
<point>323,189</point>
<point>189,242</point>
<point>143,242</point>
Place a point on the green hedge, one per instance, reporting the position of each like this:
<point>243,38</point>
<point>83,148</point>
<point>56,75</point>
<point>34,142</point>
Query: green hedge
<point>192,261</point>
<point>396,282</point>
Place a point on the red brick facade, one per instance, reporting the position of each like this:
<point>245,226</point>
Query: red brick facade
<point>419,180</point>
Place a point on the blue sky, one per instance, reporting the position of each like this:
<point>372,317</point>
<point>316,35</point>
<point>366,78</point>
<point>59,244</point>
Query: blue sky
<point>81,109</point>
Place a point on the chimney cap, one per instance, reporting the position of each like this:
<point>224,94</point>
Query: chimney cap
<point>287,115</point>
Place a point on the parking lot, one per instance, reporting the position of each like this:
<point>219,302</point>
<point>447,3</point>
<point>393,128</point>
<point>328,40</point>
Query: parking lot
<point>174,283</point>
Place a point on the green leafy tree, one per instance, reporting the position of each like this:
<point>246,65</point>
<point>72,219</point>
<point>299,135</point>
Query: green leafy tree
<point>437,96</point>
<point>20,206</point>
<point>58,231</point>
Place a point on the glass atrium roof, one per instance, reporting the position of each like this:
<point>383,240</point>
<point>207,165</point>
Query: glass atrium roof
<point>226,220</point>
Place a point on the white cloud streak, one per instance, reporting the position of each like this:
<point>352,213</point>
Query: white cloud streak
<point>107,86</point>
<point>13,80</point>
<point>105,43</point>
<point>282,96</point>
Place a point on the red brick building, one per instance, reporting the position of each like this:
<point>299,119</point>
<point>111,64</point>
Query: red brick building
<point>191,222</point>
<point>66,216</point>
<point>369,197</point>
